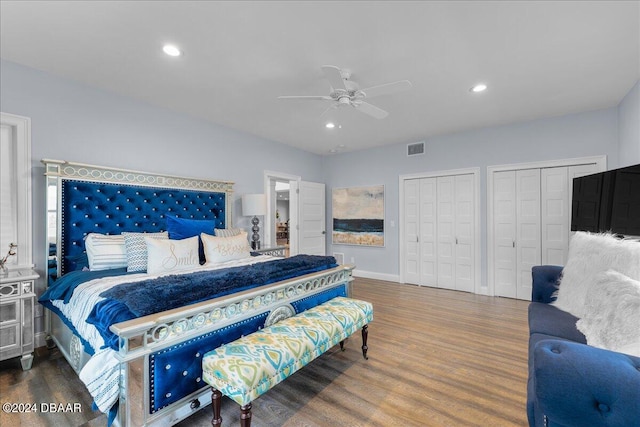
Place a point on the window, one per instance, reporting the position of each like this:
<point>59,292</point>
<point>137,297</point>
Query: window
<point>15,189</point>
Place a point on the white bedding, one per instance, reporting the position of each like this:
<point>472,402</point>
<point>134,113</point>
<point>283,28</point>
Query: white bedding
<point>101,372</point>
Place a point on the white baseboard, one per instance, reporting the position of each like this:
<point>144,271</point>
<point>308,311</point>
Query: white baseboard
<point>377,276</point>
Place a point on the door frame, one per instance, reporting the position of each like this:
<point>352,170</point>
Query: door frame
<point>599,161</point>
<point>270,177</point>
<point>476,187</point>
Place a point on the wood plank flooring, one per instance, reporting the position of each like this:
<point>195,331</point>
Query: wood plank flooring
<point>436,358</point>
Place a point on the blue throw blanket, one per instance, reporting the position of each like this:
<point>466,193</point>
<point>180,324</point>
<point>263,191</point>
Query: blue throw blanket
<point>131,300</point>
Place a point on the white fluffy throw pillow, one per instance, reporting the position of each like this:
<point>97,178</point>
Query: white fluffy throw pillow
<point>612,317</point>
<point>590,255</point>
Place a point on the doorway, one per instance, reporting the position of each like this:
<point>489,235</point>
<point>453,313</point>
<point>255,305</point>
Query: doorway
<point>281,217</point>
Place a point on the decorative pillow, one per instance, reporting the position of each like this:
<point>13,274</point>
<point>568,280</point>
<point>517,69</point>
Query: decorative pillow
<point>166,256</point>
<point>227,232</point>
<point>589,255</point>
<point>221,249</point>
<point>137,249</point>
<point>181,228</point>
<point>612,317</point>
<point>105,251</point>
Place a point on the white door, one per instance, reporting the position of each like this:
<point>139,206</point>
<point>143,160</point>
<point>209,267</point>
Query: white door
<point>445,232</point>
<point>464,233</point>
<point>528,245</point>
<point>504,233</point>
<point>411,230</point>
<point>555,202</point>
<point>312,218</point>
<point>428,232</point>
<point>556,196</point>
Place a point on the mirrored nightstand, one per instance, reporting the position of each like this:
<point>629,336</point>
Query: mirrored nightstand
<point>17,297</point>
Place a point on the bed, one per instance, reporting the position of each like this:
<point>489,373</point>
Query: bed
<point>144,366</point>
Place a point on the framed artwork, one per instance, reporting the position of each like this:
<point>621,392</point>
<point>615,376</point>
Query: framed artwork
<point>358,216</point>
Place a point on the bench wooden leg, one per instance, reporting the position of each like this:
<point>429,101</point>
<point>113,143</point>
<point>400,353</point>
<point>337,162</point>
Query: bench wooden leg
<point>216,398</point>
<point>365,334</point>
<point>245,415</point>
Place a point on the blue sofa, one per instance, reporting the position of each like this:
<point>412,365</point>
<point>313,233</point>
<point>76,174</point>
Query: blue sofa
<point>571,383</point>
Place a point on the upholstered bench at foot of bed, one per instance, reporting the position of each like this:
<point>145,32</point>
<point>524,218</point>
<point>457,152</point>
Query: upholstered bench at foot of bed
<point>251,365</point>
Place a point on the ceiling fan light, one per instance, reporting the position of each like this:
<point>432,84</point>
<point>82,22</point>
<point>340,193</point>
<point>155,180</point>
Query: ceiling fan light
<point>330,125</point>
<point>480,87</point>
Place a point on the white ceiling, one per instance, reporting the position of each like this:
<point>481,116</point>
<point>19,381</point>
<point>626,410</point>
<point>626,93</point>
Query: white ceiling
<point>539,59</point>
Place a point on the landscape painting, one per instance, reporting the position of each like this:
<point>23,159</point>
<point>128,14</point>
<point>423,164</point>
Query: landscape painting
<point>358,216</point>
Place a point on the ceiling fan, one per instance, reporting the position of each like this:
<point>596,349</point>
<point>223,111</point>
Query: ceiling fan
<point>345,92</point>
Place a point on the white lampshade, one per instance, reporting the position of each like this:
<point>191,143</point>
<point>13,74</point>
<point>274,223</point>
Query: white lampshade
<point>254,204</point>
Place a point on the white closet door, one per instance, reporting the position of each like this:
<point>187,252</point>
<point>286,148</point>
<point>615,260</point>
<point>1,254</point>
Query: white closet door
<point>312,233</point>
<point>445,232</point>
<point>556,195</point>
<point>428,237</point>
<point>504,233</point>
<point>528,246</point>
<point>411,231</point>
<point>555,215</point>
<point>464,232</point>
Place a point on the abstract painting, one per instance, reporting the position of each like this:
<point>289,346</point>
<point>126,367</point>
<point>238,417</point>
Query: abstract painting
<point>358,216</point>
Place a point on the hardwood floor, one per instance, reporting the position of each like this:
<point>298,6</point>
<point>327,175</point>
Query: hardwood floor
<point>436,358</point>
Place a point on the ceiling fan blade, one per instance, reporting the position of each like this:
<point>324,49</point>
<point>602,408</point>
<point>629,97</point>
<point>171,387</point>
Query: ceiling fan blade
<point>333,74</point>
<point>387,88</point>
<point>371,110</point>
<point>309,97</point>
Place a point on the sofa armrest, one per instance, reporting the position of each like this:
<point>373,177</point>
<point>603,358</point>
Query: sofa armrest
<point>580,385</point>
<point>545,282</point>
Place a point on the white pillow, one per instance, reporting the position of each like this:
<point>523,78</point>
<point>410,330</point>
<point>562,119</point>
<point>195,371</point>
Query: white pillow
<point>222,249</point>
<point>589,255</point>
<point>612,317</point>
<point>136,249</point>
<point>105,251</point>
<point>167,256</point>
<point>227,232</point>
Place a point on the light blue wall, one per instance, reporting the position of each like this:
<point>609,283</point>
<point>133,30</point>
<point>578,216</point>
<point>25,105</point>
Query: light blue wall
<point>629,127</point>
<point>75,122</point>
<point>578,135</point>
<point>71,121</point>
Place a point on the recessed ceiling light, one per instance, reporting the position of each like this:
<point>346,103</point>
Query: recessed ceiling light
<point>330,125</point>
<point>480,87</point>
<point>171,50</point>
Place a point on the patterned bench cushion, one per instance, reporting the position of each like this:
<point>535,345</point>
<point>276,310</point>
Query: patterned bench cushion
<point>251,365</point>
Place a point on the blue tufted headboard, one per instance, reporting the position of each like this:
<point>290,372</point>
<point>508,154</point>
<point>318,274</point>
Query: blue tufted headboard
<point>110,201</point>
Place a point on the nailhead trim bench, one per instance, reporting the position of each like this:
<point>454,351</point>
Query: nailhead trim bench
<point>248,367</point>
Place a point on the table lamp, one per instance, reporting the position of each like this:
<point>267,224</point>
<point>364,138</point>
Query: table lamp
<point>254,205</point>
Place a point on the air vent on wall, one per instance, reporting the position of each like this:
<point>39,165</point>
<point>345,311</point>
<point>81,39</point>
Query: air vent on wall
<point>339,256</point>
<point>415,149</point>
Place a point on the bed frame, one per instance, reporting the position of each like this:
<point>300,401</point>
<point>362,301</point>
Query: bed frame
<point>160,355</point>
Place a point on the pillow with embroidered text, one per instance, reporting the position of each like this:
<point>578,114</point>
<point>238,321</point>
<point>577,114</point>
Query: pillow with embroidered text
<point>181,228</point>
<point>168,256</point>
<point>222,249</point>
<point>105,251</point>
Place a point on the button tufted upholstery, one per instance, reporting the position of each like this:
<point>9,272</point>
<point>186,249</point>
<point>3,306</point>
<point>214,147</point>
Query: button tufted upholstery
<point>113,208</point>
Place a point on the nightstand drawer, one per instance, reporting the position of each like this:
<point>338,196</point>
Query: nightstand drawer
<point>9,312</point>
